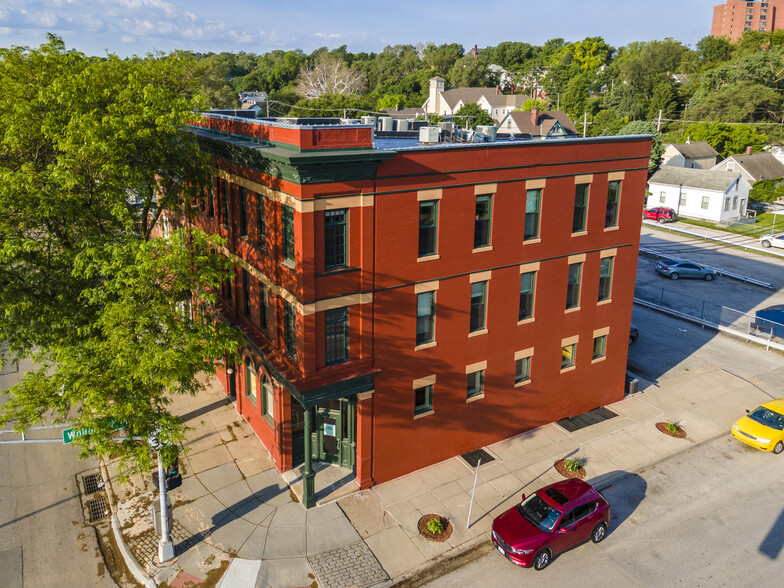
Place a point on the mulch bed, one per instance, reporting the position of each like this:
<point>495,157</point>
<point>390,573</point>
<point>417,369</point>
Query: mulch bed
<point>422,525</point>
<point>680,434</point>
<point>561,469</point>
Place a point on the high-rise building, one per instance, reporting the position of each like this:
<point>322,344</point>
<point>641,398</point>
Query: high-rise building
<point>735,17</point>
<point>403,303</point>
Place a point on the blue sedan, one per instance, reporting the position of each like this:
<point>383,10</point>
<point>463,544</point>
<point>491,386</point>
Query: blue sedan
<point>676,268</point>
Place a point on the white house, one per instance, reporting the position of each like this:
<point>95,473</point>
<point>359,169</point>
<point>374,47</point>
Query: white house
<point>447,101</point>
<point>698,155</point>
<point>753,166</point>
<point>716,196</point>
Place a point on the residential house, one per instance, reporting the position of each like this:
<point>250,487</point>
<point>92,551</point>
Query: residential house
<point>753,166</point>
<point>401,304</point>
<point>717,196</point>
<point>697,155</point>
<point>536,124</point>
<point>446,102</point>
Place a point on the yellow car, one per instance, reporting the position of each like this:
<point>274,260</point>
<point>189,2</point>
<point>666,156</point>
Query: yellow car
<point>763,427</point>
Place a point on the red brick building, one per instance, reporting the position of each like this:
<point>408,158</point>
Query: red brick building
<point>402,304</point>
<point>735,17</point>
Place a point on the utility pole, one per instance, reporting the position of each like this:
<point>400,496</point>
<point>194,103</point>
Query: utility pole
<point>585,123</point>
<point>267,101</point>
<point>658,123</point>
<point>165,545</point>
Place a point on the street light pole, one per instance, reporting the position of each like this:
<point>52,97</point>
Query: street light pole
<point>165,546</point>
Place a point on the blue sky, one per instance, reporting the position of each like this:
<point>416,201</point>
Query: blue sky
<point>127,27</point>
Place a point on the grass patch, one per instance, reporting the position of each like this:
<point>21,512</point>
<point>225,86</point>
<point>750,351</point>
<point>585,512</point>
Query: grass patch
<point>761,226</point>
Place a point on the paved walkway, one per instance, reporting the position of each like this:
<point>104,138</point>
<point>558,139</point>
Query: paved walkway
<point>235,516</point>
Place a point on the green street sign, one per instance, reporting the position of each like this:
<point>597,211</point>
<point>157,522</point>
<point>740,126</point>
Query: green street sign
<point>70,434</point>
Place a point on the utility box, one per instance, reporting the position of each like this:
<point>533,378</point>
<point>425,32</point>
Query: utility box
<point>632,385</point>
<point>156,515</point>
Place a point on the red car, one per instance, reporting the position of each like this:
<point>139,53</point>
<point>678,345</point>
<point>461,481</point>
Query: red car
<point>549,521</point>
<point>661,214</point>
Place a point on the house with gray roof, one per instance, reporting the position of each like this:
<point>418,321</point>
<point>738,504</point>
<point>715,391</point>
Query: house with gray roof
<point>536,124</point>
<point>447,101</point>
<point>753,166</point>
<point>716,196</point>
<point>698,155</point>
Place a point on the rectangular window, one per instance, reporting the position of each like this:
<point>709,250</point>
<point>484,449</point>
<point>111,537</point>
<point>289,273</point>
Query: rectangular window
<point>705,202</point>
<point>243,212</point>
<point>613,199</point>
<point>567,355</point>
<point>599,344</point>
<point>726,204</point>
<point>662,197</point>
<point>428,228</point>
<point>224,205</point>
<point>246,292</point>
<point>573,286</point>
<point>263,307</point>
<point>475,384</point>
<point>683,199</point>
<point>426,317</point>
<point>250,382</point>
<point>482,228</point>
<point>261,222</point>
<point>522,369</point>
<point>336,333</point>
<point>527,287</point>
<point>267,398</point>
<point>478,306</point>
<point>229,288</point>
<point>580,215</point>
<point>288,235</point>
<point>290,334</point>
<point>423,399</point>
<point>211,200</point>
<point>605,278</point>
<point>734,203</point>
<point>335,238</point>
<point>533,201</point>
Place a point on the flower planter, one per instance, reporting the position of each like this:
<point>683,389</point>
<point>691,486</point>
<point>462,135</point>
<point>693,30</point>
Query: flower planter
<point>423,530</point>
<point>679,434</point>
<point>561,469</point>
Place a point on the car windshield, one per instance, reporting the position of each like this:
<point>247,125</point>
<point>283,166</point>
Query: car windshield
<point>537,512</point>
<point>767,417</point>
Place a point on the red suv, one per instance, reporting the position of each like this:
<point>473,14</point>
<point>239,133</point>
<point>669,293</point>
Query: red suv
<point>549,521</point>
<point>661,214</point>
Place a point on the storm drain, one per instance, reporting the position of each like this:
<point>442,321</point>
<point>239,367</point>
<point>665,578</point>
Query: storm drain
<point>592,417</point>
<point>92,483</point>
<point>98,509</point>
<point>472,458</point>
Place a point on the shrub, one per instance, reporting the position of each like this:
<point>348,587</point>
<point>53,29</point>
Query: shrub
<point>672,427</point>
<point>572,465</point>
<point>436,526</point>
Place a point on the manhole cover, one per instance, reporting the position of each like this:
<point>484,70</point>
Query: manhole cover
<point>98,509</point>
<point>92,483</point>
<point>473,457</point>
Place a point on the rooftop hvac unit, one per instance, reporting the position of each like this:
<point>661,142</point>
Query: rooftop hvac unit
<point>349,121</point>
<point>447,126</point>
<point>369,120</point>
<point>403,125</point>
<point>488,130</point>
<point>428,135</point>
<point>386,123</point>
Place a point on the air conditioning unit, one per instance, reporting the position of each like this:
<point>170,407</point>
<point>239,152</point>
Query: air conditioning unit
<point>429,135</point>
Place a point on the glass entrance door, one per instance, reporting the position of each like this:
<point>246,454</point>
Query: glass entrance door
<point>333,434</point>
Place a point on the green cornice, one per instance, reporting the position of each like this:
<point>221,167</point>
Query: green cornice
<point>309,167</point>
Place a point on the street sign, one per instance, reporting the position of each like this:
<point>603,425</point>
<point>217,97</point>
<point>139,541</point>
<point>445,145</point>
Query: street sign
<point>70,434</point>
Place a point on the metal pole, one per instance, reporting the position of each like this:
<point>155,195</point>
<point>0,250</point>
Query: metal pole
<point>471,506</point>
<point>165,547</point>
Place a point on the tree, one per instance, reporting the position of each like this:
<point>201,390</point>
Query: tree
<point>330,75</point>
<point>468,72</point>
<point>641,127</point>
<point>664,99</point>
<point>332,105</point>
<point>441,58</point>
<point>725,139</point>
<point>92,152</point>
<point>470,115</point>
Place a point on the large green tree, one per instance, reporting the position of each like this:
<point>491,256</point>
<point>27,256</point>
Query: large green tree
<point>93,154</point>
<point>470,115</point>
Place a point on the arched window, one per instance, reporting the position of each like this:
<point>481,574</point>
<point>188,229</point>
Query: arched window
<point>250,382</point>
<point>267,398</point>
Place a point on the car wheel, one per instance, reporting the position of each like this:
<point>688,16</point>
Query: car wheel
<point>662,220</point>
<point>542,559</point>
<point>674,276</point>
<point>766,244</point>
<point>599,532</point>
<point>631,339</point>
<point>778,448</point>
<point>708,277</point>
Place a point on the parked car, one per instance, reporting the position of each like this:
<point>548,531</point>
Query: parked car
<point>763,427</point>
<point>661,214</point>
<point>676,268</point>
<point>633,334</point>
<point>772,240</point>
<point>549,521</point>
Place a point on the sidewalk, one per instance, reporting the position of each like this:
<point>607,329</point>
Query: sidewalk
<point>236,518</point>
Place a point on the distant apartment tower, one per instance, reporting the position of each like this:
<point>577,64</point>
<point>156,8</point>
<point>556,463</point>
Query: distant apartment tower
<point>735,17</point>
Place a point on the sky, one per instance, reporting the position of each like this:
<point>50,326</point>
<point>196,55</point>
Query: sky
<point>138,27</point>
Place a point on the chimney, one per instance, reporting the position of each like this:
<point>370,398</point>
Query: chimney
<point>535,116</point>
<point>497,90</point>
<point>748,150</point>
